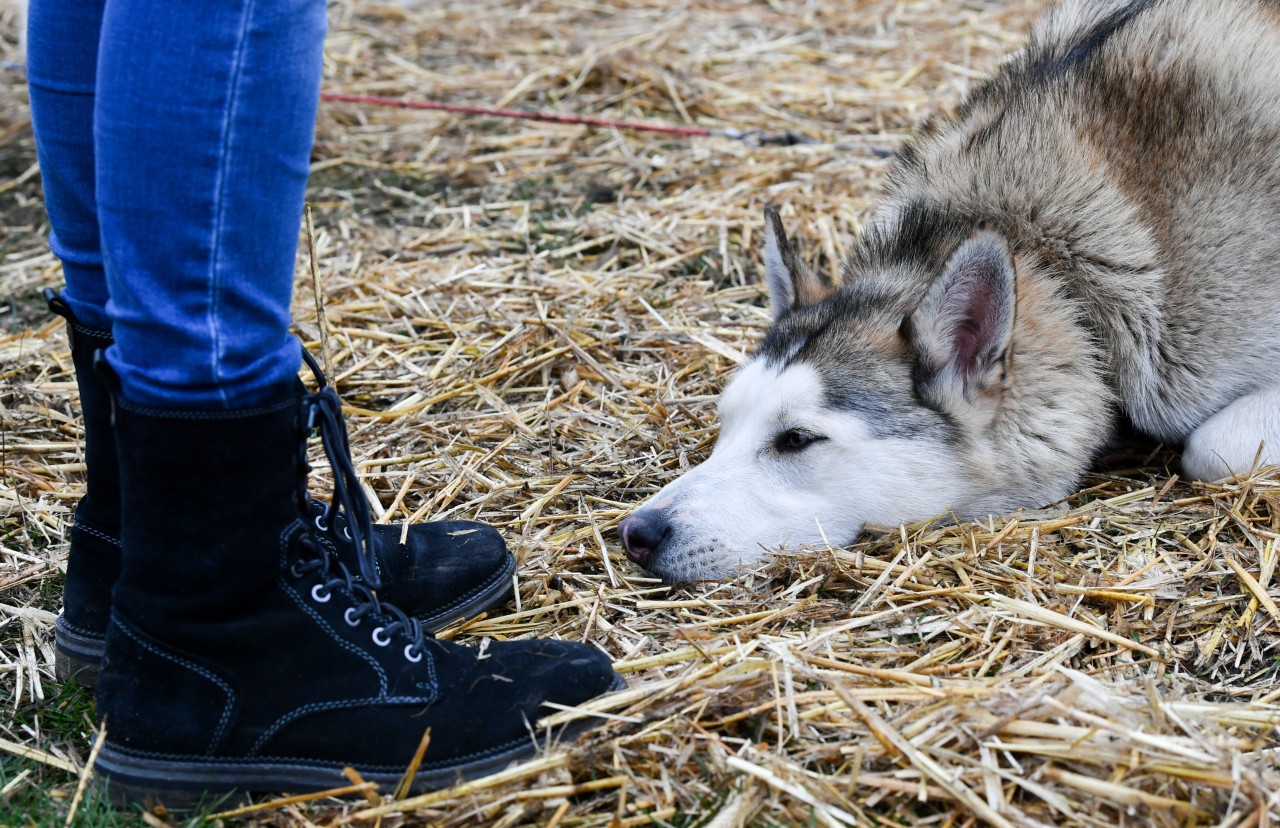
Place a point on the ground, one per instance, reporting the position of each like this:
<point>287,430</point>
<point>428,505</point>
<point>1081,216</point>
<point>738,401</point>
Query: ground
<point>529,323</point>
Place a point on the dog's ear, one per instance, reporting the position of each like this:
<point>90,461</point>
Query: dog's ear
<point>963,328</point>
<point>791,284</point>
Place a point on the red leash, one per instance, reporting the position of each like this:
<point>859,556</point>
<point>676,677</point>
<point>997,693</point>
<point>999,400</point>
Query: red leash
<point>751,137</point>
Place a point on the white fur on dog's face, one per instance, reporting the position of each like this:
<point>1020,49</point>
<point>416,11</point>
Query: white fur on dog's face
<point>752,495</point>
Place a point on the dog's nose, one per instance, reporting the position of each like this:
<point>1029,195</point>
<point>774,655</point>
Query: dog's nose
<point>642,534</point>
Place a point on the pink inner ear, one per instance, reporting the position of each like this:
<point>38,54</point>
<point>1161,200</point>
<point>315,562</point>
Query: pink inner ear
<point>968,314</point>
<point>966,344</point>
<point>976,328</point>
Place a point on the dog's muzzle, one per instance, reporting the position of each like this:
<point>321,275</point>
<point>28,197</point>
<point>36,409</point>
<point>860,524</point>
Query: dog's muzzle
<point>643,533</point>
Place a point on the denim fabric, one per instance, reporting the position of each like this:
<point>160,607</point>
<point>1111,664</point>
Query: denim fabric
<point>61,66</point>
<point>190,124</point>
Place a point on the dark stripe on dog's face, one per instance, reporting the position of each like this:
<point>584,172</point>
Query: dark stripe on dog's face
<point>853,342</point>
<point>857,342</point>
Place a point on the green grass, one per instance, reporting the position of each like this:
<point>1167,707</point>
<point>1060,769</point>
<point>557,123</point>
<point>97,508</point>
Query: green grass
<point>44,795</point>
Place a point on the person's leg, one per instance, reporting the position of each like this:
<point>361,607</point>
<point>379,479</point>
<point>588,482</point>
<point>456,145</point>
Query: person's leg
<point>201,175</point>
<point>61,71</point>
<point>62,62</point>
<point>242,654</point>
<point>202,169</point>
<point>444,571</point>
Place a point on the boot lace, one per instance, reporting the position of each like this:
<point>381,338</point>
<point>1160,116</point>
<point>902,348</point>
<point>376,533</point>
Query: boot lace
<point>322,411</point>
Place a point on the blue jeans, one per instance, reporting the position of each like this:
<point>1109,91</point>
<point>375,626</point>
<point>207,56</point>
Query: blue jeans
<point>174,139</point>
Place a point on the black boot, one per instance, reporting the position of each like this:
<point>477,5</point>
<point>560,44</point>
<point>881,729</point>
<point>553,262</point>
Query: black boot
<point>244,656</point>
<point>94,558</point>
<point>446,570</point>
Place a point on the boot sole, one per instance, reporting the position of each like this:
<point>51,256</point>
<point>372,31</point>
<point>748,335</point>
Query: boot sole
<point>185,784</point>
<point>79,656</point>
<point>76,656</point>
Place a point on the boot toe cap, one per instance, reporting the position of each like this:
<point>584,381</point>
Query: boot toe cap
<point>445,570</point>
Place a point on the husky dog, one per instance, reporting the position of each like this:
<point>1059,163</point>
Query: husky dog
<point>1094,233</point>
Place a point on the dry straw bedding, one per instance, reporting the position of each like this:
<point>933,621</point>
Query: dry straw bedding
<point>529,325</point>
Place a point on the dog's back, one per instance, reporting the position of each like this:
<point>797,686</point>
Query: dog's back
<point>1136,147</point>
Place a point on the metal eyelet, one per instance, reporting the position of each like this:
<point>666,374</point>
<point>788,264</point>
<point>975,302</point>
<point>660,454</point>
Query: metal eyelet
<point>319,595</point>
<point>347,532</point>
<point>346,616</point>
<point>408,654</point>
<point>380,639</point>
<point>320,524</point>
<point>295,569</point>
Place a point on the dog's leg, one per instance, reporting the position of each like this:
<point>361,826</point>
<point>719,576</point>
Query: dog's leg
<point>1227,443</point>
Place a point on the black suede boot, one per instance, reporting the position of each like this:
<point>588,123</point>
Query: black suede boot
<point>445,570</point>
<point>93,561</point>
<point>244,656</point>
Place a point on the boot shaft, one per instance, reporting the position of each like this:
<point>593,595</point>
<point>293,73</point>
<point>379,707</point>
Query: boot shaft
<point>223,598</point>
<point>100,506</point>
<point>206,496</point>
<point>93,562</point>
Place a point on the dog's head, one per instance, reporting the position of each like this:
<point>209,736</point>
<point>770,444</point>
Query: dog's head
<point>879,402</point>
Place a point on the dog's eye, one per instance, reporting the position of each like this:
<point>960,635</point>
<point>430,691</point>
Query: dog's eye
<point>794,439</point>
